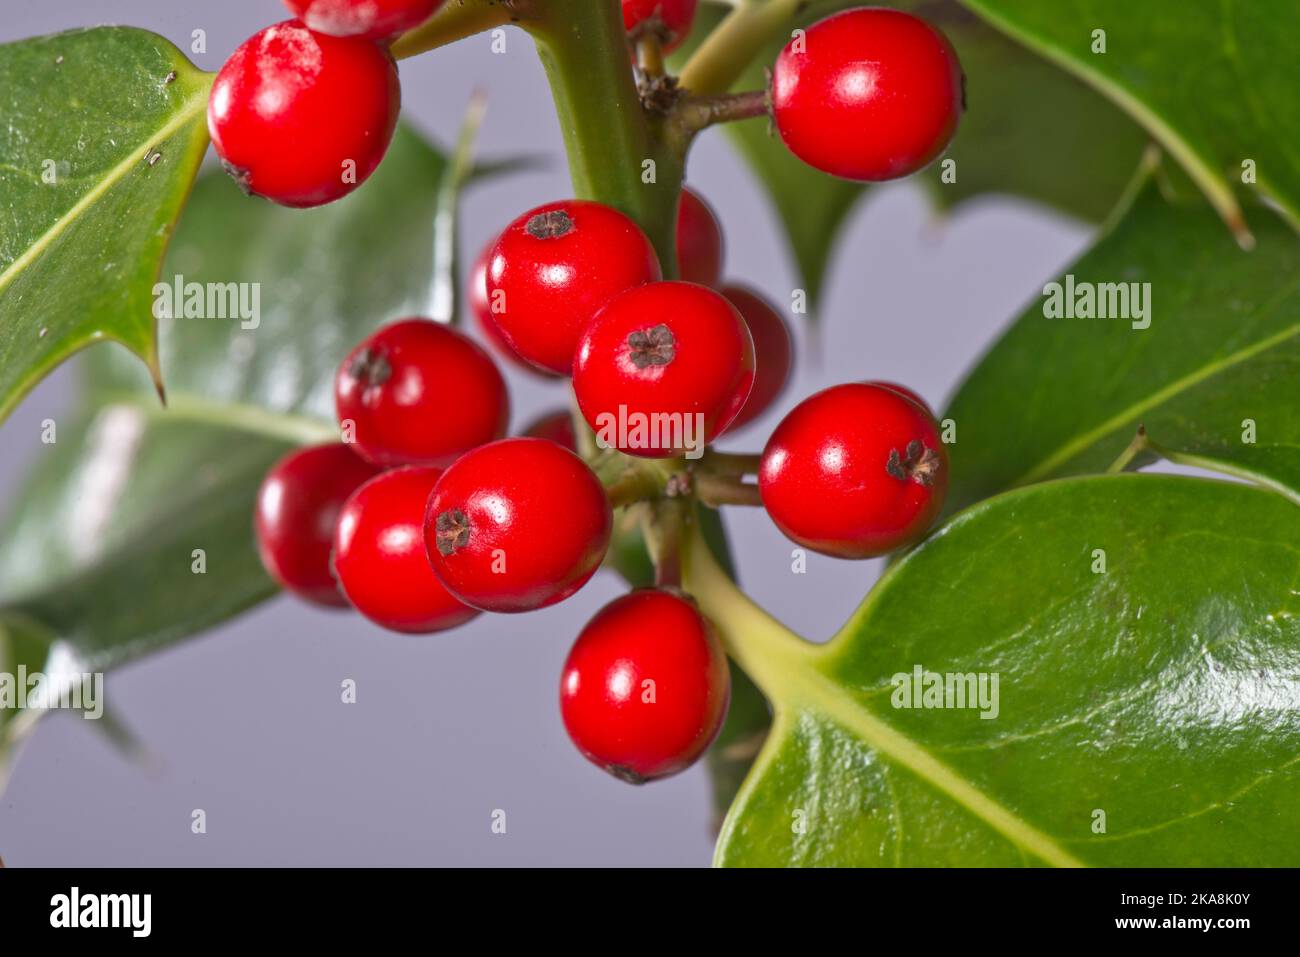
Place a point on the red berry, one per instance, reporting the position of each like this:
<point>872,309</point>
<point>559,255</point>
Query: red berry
<point>663,369</point>
<point>773,351</point>
<point>516,525</point>
<point>854,471</point>
<point>646,686</point>
<point>297,508</point>
<point>481,309</point>
<point>371,19</point>
<point>302,118</point>
<point>699,241</point>
<point>670,20</point>
<point>555,427</point>
<point>867,94</point>
<point>555,267</point>
<point>420,393</point>
<point>904,391</point>
<point>379,555</point>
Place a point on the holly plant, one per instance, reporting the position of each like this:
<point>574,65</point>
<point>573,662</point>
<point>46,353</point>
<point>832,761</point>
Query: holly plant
<point>1068,661</point>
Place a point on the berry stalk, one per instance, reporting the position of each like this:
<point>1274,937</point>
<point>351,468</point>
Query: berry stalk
<point>738,39</point>
<point>456,21</point>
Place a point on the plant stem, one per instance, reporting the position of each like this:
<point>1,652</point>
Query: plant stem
<point>649,55</point>
<point>718,490</point>
<point>1135,448</point>
<point>455,21</point>
<point>741,36</point>
<point>443,299</point>
<point>618,155</point>
<point>731,463</point>
<point>761,645</point>
<point>634,485</point>
<point>696,113</point>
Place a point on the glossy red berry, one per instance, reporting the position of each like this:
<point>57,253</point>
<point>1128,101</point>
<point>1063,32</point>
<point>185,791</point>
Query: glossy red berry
<point>379,555</point>
<point>481,309</point>
<point>903,391</point>
<point>867,94</point>
<point>555,427</point>
<point>854,471</point>
<point>298,506</point>
<point>670,20</point>
<point>663,369</point>
<point>516,525</point>
<point>646,686</point>
<point>773,351</point>
<point>302,118</point>
<point>419,393</point>
<point>371,19</point>
<point>699,241</point>
<point>554,268</point>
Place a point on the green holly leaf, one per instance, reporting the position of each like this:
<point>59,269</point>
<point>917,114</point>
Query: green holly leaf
<point>1032,130</point>
<point>1144,633</point>
<point>103,133</point>
<point>1212,377</point>
<point>135,530</point>
<point>1215,85</point>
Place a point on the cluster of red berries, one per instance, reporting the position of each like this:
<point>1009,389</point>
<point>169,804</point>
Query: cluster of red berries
<point>425,514</point>
<point>303,112</point>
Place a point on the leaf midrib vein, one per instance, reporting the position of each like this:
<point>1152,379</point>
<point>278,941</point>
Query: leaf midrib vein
<point>813,691</point>
<point>132,159</point>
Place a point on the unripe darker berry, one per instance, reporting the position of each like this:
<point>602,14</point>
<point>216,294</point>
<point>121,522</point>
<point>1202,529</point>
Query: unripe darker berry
<point>379,555</point>
<point>699,241</point>
<point>854,471</point>
<point>867,94</point>
<point>419,393</point>
<point>516,525</point>
<point>773,351</point>
<point>302,118</point>
<point>669,20</point>
<point>298,506</point>
<point>555,427</point>
<point>663,369</point>
<point>555,267</point>
<point>371,19</point>
<point>646,686</point>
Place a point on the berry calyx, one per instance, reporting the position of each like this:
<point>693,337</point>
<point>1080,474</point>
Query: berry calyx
<point>379,555</point>
<point>555,267</point>
<point>699,241</point>
<point>516,525</point>
<point>646,686</point>
<point>773,351</point>
<point>668,20</point>
<point>867,94</point>
<point>418,392</point>
<point>297,508</point>
<point>854,471</point>
<point>663,369</point>
<point>555,427</point>
<point>302,118</point>
<point>480,307</point>
<point>369,19</point>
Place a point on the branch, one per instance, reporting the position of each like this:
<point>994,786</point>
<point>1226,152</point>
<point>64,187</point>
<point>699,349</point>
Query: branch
<point>732,47</point>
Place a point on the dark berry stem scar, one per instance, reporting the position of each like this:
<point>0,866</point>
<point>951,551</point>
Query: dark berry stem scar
<point>917,463</point>
<point>652,347</point>
<point>550,225</point>
<point>452,528</point>
<point>371,367</point>
<point>625,774</point>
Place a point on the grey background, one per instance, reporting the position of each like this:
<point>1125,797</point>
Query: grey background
<point>246,722</point>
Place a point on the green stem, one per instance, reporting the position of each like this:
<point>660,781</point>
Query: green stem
<point>738,39</point>
<point>766,649</point>
<point>455,21</point>
<point>617,153</point>
<point>715,490</point>
<point>731,463</point>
